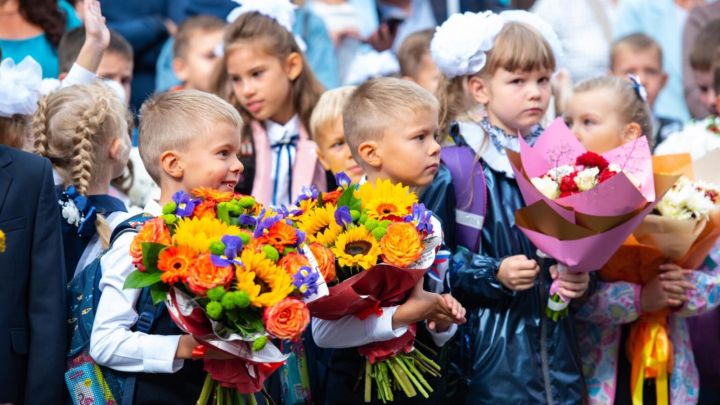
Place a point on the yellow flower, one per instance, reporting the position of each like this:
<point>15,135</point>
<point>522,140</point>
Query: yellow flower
<point>198,233</point>
<point>386,200</point>
<point>320,226</point>
<point>356,247</point>
<point>2,241</point>
<point>401,245</point>
<point>265,283</point>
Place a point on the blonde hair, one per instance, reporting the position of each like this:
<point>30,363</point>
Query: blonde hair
<point>169,121</point>
<point>201,24</point>
<point>518,47</point>
<point>629,105</point>
<point>275,40</point>
<point>328,109</point>
<point>412,50</point>
<point>377,103</point>
<point>74,127</point>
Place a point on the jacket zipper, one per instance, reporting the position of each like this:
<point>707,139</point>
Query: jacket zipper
<point>543,344</point>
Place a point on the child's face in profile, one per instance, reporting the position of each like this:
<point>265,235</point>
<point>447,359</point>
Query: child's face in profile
<point>334,153</point>
<point>646,65</point>
<point>408,150</point>
<point>197,67</point>
<point>118,68</point>
<point>593,117</point>
<point>428,75</point>
<point>704,81</point>
<point>210,160</point>
<point>516,101</point>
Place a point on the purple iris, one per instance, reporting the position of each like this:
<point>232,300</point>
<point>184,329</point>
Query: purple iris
<point>305,280</point>
<point>342,180</point>
<point>264,223</point>
<point>185,204</point>
<point>422,216</point>
<point>307,193</point>
<point>300,236</point>
<point>233,246</point>
<point>343,216</point>
<point>247,220</point>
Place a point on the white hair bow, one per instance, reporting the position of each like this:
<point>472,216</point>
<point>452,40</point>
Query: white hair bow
<point>19,86</point>
<point>282,11</point>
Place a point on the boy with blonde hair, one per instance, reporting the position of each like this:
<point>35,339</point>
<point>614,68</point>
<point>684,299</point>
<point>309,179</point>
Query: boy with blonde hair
<point>188,139</point>
<point>195,58</point>
<point>395,141</point>
<point>326,127</point>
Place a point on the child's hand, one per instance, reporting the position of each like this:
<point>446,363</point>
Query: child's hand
<point>456,309</point>
<point>518,273</point>
<point>96,30</point>
<point>422,305</point>
<point>97,37</point>
<point>572,285</point>
<point>667,289</point>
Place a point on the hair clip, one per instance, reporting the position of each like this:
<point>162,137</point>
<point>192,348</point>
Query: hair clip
<point>78,212</point>
<point>638,87</point>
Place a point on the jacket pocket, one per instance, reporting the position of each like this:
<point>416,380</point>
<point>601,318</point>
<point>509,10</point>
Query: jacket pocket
<point>19,338</point>
<point>13,224</point>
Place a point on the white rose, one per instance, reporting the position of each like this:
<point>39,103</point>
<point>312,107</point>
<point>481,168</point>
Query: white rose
<point>587,179</point>
<point>547,186</point>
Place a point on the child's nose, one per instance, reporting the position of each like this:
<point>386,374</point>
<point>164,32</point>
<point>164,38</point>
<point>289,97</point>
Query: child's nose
<point>237,165</point>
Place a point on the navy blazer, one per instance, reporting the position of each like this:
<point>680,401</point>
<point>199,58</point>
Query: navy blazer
<point>32,283</point>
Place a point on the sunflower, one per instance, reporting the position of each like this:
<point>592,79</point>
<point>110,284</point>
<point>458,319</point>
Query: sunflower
<point>279,235</point>
<point>385,200</point>
<point>2,241</point>
<point>356,247</point>
<point>212,195</point>
<point>198,233</point>
<point>174,262</point>
<point>264,281</point>
<point>320,226</point>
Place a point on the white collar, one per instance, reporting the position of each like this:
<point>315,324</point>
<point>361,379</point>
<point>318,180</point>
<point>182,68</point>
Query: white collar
<point>480,143</point>
<point>276,132</point>
<point>153,208</point>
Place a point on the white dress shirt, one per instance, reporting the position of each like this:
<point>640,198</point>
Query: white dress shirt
<point>112,343</point>
<point>283,158</point>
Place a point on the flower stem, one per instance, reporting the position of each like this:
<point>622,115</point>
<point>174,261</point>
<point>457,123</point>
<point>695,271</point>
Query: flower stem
<point>402,378</point>
<point>205,393</point>
<point>399,360</point>
<point>368,381</point>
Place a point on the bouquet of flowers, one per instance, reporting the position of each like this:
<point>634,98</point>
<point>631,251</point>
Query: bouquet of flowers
<point>383,241</point>
<point>582,205</point>
<point>230,273</point>
<point>682,229</point>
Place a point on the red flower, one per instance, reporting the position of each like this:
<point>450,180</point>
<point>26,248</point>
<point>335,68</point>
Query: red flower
<point>568,185</point>
<point>606,174</point>
<point>332,197</point>
<point>591,159</point>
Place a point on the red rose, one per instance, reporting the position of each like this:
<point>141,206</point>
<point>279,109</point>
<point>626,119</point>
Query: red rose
<point>591,159</point>
<point>606,174</point>
<point>568,185</point>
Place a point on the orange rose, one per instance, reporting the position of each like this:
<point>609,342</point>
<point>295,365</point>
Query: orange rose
<point>152,231</point>
<point>401,245</point>
<point>325,260</point>
<point>203,275</point>
<point>332,197</point>
<point>287,319</point>
<point>292,262</point>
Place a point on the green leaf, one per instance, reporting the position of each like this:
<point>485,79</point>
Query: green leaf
<point>150,252</point>
<point>158,292</point>
<point>347,198</point>
<point>139,279</point>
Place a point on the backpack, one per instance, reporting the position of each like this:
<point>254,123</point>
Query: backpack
<point>87,382</point>
<point>470,190</point>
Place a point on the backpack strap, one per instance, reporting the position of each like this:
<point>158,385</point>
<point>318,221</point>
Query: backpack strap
<point>470,191</point>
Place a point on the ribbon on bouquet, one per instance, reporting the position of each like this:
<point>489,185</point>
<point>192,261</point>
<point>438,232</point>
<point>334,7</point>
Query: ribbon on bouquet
<point>651,356</point>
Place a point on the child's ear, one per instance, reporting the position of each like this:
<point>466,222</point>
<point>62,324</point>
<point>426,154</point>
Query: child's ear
<point>632,132</point>
<point>179,66</point>
<point>171,164</point>
<point>663,81</point>
<point>369,152</point>
<point>478,89</point>
<point>116,148</point>
<point>293,65</point>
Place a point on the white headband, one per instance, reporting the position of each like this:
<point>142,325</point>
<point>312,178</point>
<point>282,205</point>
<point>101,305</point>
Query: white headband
<point>460,45</point>
<point>282,11</point>
<point>19,86</point>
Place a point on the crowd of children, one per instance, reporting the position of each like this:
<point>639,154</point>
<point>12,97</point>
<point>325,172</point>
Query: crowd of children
<point>250,116</point>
